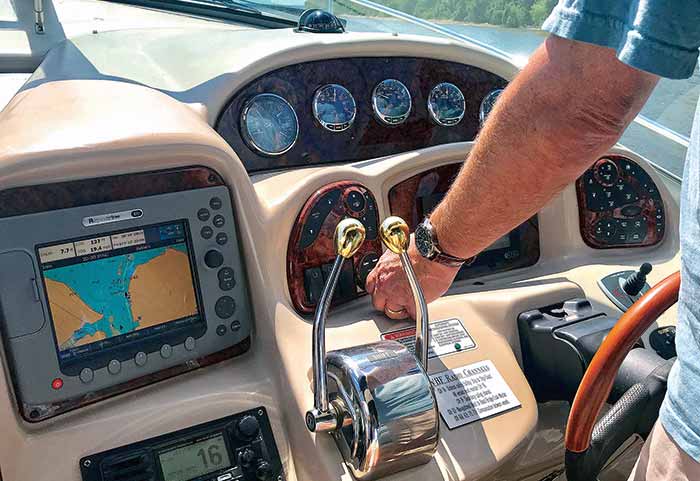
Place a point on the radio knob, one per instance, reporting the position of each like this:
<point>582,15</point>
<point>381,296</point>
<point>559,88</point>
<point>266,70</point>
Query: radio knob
<point>248,427</point>
<point>246,457</point>
<point>264,471</point>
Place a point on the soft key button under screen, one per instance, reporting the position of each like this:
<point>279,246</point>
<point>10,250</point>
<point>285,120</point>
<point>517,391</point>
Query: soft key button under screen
<point>87,375</point>
<point>114,366</point>
<point>140,359</point>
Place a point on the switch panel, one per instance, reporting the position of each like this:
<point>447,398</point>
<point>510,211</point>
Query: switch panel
<point>311,251</point>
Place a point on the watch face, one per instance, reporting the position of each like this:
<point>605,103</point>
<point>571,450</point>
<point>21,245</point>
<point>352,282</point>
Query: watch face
<point>424,241</point>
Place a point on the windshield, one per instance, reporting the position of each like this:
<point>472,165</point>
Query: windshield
<point>660,133</point>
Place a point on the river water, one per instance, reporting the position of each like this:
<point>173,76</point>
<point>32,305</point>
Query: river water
<point>672,104</point>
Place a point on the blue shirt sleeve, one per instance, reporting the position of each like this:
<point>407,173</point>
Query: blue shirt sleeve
<point>659,36</point>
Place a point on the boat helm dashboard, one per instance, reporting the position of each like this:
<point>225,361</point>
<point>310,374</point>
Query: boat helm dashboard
<point>186,241</point>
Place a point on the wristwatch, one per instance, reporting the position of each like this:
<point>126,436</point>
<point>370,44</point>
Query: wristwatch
<point>428,246</point>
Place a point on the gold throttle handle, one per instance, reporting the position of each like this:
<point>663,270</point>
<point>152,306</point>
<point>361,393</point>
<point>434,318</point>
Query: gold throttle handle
<point>349,236</point>
<point>395,235</point>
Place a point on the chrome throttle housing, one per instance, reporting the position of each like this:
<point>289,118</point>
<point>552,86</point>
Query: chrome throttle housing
<point>375,399</point>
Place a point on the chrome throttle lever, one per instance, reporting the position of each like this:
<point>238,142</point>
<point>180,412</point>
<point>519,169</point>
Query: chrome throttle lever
<point>348,238</point>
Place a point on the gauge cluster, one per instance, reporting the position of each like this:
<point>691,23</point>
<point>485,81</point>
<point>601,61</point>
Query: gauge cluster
<point>344,110</point>
<point>619,205</point>
<point>270,124</point>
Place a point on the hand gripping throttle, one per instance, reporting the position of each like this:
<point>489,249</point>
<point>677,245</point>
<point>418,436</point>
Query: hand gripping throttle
<point>375,399</point>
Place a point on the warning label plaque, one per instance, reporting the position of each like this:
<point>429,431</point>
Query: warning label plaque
<point>446,337</point>
<point>470,393</point>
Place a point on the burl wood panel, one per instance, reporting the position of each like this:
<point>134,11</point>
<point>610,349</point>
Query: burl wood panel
<point>322,250</point>
<point>649,205</point>
<point>406,201</point>
<point>367,138</point>
<point>62,195</point>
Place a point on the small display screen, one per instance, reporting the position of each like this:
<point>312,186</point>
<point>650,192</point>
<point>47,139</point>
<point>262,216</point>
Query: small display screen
<point>118,287</point>
<point>189,462</point>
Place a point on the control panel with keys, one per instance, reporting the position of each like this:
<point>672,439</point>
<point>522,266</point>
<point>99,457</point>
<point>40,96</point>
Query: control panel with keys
<point>619,205</point>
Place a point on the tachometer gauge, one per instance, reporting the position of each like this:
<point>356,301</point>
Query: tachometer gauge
<point>487,105</point>
<point>446,104</point>
<point>391,102</point>
<point>334,107</point>
<point>269,124</point>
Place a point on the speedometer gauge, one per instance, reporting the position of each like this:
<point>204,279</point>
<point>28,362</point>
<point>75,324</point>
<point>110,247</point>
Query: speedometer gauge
<point>487,105</point>
<point>334,107</point>
<point>391,101</point>
<point>269,124</point>
<point>446,104</point>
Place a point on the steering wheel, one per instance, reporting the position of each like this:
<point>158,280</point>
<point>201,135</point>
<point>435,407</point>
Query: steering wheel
<point>590,445</point>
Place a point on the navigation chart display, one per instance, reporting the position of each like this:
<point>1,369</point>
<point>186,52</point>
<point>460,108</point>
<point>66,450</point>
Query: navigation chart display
<point>114,288</point>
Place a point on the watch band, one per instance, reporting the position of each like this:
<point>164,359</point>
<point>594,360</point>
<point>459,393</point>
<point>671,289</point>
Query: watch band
<point>436,254</point>
<point>448,260</point>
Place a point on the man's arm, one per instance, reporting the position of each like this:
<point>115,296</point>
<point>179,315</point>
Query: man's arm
<point>567,107</point>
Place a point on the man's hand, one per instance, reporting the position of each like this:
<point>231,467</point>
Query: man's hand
<point>388,284</point>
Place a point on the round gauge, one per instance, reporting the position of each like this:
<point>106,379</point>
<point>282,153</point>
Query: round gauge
<point>334,107</point>
<point>391,102</point>
<point>446,104</point>
<point>269,124</point>
<point>487,104</point>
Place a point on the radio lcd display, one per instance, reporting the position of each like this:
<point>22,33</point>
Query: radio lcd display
<point>118,287</point>
<point>194,460</point>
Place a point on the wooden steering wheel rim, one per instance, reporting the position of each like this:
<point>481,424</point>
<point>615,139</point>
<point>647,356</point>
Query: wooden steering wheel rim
<point>599,377</point>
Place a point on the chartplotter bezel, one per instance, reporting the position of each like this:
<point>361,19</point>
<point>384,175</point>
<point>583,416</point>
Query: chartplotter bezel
<point>216,323</point>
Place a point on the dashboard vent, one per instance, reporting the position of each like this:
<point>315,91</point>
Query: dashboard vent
<point>132,468</point>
